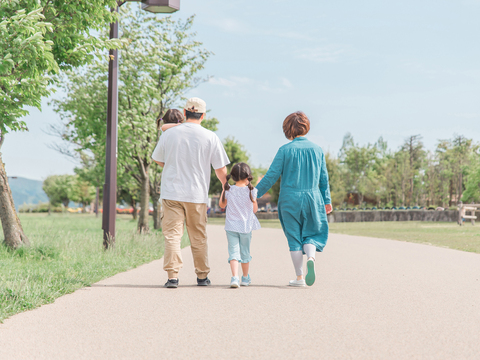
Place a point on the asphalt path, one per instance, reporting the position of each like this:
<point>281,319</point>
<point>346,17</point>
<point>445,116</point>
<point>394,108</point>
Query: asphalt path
<point>373,299</point>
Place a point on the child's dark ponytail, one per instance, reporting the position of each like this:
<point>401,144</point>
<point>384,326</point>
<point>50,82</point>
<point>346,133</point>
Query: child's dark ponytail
<point>226,187</point>
<point>250,186</point>
<point>240,171</point>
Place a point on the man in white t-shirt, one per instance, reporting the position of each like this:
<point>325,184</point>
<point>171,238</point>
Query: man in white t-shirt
<point>186,153</point>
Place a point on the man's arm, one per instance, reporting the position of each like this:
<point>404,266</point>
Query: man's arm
<point>221,174</point>
<point>222,203</point>
<point>159,163</point>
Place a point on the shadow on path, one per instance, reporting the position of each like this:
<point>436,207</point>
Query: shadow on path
<point>286,287</point>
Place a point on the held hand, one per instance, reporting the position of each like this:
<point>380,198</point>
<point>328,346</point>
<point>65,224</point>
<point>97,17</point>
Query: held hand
<point>328,208</point>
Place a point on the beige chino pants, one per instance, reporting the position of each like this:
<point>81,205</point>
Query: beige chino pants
<point>175,213</point>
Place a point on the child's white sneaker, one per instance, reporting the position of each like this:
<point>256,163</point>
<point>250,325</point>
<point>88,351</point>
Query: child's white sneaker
<point>234,283</point>
<point>297,282</point>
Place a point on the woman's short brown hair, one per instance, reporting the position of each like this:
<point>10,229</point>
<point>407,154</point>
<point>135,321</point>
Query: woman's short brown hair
<point>296,124</point>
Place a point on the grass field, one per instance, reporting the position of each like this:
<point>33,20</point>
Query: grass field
<point>67,254</point>
<point>444,234</point>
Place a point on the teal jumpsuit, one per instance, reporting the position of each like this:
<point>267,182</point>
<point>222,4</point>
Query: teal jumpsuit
<point>304,191</point>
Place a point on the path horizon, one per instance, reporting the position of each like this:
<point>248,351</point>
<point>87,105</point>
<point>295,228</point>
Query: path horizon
<point>373,299</point>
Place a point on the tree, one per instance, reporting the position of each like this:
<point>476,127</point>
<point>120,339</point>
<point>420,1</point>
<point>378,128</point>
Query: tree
<point>36,36</point>
<point>413,146</point>
<point>472,187</point>
<point>58,189</point>
<point>359,165</point>
<point>82,191</point>
<point>157,67</point>
<point>26,57</point>
<point>335,175</point>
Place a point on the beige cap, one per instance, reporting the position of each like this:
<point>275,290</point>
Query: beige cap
<point>196,105</point>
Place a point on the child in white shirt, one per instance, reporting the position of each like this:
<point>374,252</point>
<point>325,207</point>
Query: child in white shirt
<point>241,202</point>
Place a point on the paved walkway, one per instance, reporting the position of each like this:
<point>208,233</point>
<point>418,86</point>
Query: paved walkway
<point>373,299</point>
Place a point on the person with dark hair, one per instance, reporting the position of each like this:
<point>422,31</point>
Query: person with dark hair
<point>187,152</point>
<point>172,118</point>
<point>304,199</point>
<point>240,220</point>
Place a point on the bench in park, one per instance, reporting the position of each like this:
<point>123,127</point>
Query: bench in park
<point>462,212</point>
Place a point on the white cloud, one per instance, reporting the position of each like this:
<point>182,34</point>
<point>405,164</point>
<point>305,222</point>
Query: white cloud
<point>221,82</point>
<point>286,83</point>
<point>241,84</point>
<point>234,26</point>
<point>323,54</point>
<point>467,116</point>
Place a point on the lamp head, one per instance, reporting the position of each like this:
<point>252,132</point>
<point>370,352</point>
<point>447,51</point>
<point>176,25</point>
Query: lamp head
<point>161,6</point>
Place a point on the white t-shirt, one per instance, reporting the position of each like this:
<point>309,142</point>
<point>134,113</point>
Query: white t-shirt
<point>188,150</point>
<point>240,216</point>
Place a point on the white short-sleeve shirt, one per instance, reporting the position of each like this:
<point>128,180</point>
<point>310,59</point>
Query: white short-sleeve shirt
<point>188,151</point>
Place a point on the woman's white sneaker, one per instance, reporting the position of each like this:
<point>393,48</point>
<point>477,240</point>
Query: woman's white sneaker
<point>297,282</point>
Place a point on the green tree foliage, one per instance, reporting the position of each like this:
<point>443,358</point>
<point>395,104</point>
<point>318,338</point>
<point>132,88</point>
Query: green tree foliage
<point>82,192</point>
<point>472,186</point>
<point>359,162</point>
<point>37,37</point>
<point>406,177</point>
<point>336,179</point>
<point>59,189</point>
<point>26,56</point>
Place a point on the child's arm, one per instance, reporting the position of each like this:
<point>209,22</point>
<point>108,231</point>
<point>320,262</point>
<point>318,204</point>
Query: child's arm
<point>168,126</point>
<point>222,204</point>
<point>255,206</point>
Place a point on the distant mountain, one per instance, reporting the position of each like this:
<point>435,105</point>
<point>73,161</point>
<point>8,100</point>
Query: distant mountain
<point>26,191</point>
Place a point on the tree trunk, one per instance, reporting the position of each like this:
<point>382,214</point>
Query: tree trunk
<point>156,210</point>
<point>144,203</point>
<point>450,199</point>
<point>360,200</point>
<point>12,228</point>
<point>133,203</point>
<point>97,201</point>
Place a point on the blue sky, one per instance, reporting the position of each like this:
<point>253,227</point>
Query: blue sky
<point>372,68</point>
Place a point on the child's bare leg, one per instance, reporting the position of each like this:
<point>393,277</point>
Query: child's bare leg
<point>234,267</point>
<point>245,267</point>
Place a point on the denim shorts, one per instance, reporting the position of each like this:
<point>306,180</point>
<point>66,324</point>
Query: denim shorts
<point>239,246</point>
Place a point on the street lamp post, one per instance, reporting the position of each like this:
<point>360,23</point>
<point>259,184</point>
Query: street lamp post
<point>110,186</point>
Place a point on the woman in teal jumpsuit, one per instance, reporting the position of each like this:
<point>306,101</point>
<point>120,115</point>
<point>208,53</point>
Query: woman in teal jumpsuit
<point>304,195</point>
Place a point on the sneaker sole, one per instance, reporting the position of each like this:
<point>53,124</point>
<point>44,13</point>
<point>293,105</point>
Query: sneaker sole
<point>310,278</point>
<point>244,284</point>
<point>296,285</point>
<point>171,286</point>
<point>234,286</point>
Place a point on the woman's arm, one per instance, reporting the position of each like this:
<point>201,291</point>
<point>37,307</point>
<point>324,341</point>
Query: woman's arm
<point>255,206</point>
<point>272,174</point>
<point>324,186</point>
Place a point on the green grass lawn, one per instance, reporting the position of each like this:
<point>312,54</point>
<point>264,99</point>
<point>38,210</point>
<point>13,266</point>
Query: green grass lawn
<point>444,234</point>
<point>67,254</point>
